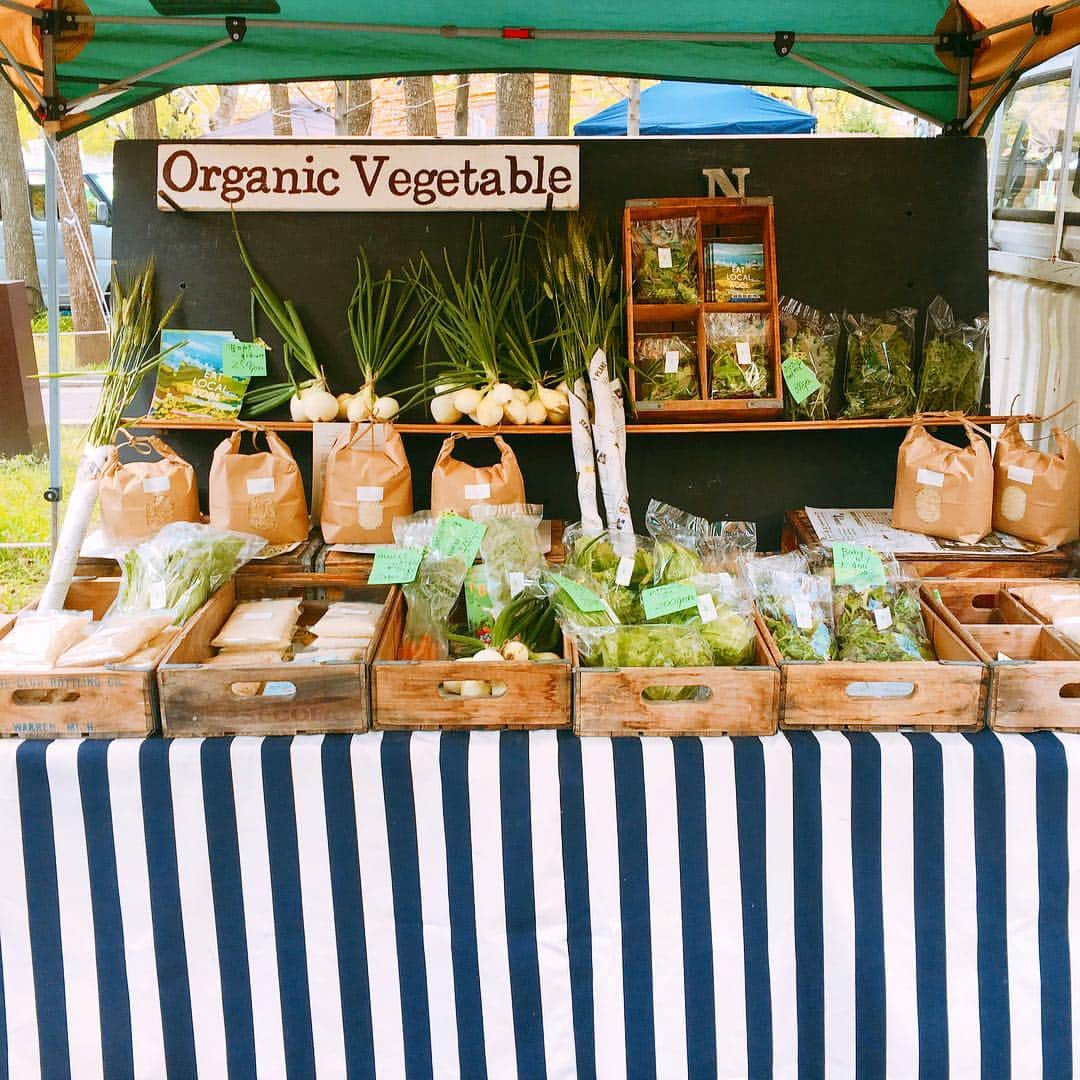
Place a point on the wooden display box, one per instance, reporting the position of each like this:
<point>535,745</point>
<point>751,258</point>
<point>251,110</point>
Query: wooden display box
<point>947,694</point>
<point>738,219</point>
<point>409,694</point>
<point>283,698</point>
<point>104,702</point>
<point>1041,597</point>
<point>736,700</point>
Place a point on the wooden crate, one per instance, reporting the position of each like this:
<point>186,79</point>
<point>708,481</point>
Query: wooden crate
<point>408,693</point>
<point>1039,596</point>
<point>739,701</point>
<point>104,702</point>
<point>947,694</point>
<point>282,698</point>
<point>301,560</point>
<point>979,602</point>
<point>748,215</point>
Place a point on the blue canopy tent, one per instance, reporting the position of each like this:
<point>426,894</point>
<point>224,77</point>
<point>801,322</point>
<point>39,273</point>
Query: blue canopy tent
<point>682,108</point>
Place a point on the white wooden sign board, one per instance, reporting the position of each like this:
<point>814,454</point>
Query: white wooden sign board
<point>367,176</point>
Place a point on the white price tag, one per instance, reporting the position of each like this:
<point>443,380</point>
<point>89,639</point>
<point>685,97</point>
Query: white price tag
<point>260,485</point>
<point>477,492</point>
<point>671,361</point>
<point>706,608</point>
<point>663,257</point>
<point>624,572</point>
<point>158,597</point>
<point>804,620</point>
<point>516,580</point>
<point>369,494</point>
<point>1002,658</point>
<point>882,618</point>
<point>930,478</point>
<point>1021,475</point>
<point>155,485</point>
<point>742,353</point>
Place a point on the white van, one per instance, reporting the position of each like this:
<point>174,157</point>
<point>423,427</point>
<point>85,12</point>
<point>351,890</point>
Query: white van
<point>97,190</point>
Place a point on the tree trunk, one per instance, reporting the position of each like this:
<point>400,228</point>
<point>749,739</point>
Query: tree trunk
<point>514,105</point>
<point>279,109</point>
<point>222,116</point>
<point>461,106</point>
<point>144,121</point>
<point>87,317</point>
<point>420,118</point>
<point>20,262</point>
<point>359,102</point>
<point>633,109</point>
<point>558,105</point>
<point>811,106</point>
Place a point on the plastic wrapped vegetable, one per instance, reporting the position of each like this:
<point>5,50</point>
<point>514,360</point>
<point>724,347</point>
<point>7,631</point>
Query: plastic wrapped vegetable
<point>573,596</point>
<point>678,536</point>
<point>429,600</point>
<point>665,367</point>
<point>808,338</point>
<point>510,548</point>
<point>664,253</point>
<point>727,619</point>
<point>738,354</point>
<point>953,363</point>
<point>880,364</point>
<point>618,578</point>
<point>882,623</point>
<point>795,605</point>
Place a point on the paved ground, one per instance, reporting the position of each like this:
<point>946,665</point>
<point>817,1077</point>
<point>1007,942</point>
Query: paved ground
<point>78,399</point>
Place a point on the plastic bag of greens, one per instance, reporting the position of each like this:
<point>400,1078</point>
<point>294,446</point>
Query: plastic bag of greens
<point>727,545</point>
<point>795,605</point>
<point>617,566</point>
<point>180,566</point>
<point>678,537</point>
<point>726,612</point>
<point>664,255</point>
<point>511,548</point>
<point>738,354</point>
<point>809,346</point>
<point>665,367</point>
<point>953,362</point>
<point>881,622</point>
<point>574,596</point>
<point>880,364</point>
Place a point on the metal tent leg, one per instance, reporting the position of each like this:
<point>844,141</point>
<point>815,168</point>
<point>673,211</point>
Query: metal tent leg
<point>52,257</point>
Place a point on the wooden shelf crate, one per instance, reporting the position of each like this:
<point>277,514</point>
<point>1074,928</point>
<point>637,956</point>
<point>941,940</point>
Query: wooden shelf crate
<point>283,698</point>
<point>102,701</point>
<point>750,218</point>
<point>409,694</point>
<point>947,694</point>
<point>1043,598</point>
<point>734,701</point>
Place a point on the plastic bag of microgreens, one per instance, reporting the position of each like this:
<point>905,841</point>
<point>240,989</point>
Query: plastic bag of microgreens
<point>738,354</point>
<point>665,367</point>
<point>796,606</point>
<point>664,254</point>
<point>511,548</point>
<point>618,578</point>
<point>880,364</point>
<point>180,566</point>
<point>678,537</point>
<point>809,346</point>
<point>953,361</point>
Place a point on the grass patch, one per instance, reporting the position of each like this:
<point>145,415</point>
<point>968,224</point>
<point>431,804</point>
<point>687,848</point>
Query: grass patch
<point>39,323</point>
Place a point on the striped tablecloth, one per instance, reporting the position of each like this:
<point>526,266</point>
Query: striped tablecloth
<point>538,905</point>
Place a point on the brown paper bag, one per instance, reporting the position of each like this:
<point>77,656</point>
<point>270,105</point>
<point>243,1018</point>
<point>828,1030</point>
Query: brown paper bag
<point>260,493</point>
<point>944,490</point>
<point>457,486</point>
<point>366,487</point>
<point>1036,494</point>
<point>138,498</point>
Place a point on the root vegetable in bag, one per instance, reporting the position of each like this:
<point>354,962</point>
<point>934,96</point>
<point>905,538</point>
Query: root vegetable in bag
<point>1037,494</point>
<point>366,487</point>
<point>458,486</point>
<point>260,493</point>
<point>944,490</point>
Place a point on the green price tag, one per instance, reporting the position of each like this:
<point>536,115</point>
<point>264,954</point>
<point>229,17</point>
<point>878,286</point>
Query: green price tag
<point>667,599</point>
<point>856,565</point>
<point>585,599</point>
<point>458,537</point>
<point>243,359</point>
<point>800,379</point>
<point>395,565</point>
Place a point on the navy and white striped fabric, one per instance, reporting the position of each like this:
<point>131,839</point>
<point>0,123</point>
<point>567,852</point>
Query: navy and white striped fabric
<point>535,905</point>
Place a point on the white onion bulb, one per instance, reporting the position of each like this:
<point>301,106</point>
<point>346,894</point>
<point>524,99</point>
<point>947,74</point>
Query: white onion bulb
<point>516,412</point>
<point>489,413</point>
<point>385,408</point>
<point>466,401</point>
<point>443,410</point>
<point>535,413</point>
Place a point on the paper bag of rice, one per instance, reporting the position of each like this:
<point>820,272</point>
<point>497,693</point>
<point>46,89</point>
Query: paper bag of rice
<point>944,490</point>
<point>1037,494</point>
<point>259,624</point>
<point>458,486</point>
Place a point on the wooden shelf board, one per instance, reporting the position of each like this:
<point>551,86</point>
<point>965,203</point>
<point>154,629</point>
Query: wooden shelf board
<point>665,313</point>
<point>754,307</point>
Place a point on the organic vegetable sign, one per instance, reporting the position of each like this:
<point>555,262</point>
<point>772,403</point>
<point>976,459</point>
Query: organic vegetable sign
<point>363,176</point>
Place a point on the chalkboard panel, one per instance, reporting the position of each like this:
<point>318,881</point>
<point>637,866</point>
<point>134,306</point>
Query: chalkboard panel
<point>862,224</point>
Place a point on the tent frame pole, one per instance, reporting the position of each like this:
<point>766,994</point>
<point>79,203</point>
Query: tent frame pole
<point>1024,20</point>
<point>25,9</point>
<point>27,81</point>
<point>991,95</point>
<point>54,492</point>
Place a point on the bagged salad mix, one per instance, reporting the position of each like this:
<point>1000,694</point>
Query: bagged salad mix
<point>738,346</point>
<point>809,348</point>
<point>795,604</point>
<point>880,364</point>
<point>953,361</point>
<point>664,255</point>
<point>666,367</point>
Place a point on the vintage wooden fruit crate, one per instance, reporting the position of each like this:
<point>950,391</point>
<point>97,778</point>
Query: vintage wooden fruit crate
<point>106,701</point>
<point>410,693</point>
<point>279,698</point>
<point>947,694</point>
<point>728,700</point>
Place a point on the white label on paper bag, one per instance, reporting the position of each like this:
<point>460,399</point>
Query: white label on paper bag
<point>663,257</point>
<point>883,618</point>
<point>671,361</point>
<point>369,494</point>
<point>155,485</point>
<point>477,492</point>
<point>260,485</point>
<point>706,608</point>
<point>804,620</point>
<point>625,571</point>
<point>157,594</point>
<point>742,353</point>
<point>1021,475</point>
<point>516,580</point>
<point>929,478</point>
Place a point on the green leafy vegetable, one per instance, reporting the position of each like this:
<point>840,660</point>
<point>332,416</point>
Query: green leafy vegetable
<point>880,373</point>
<point>954,362</point>
<point>731,636</point>
<point>665,367</point>
<point>813,337</point>
<point>738,355</point>
<point>813,640</point>
<point>664,253</point>
<point>673,562</point>
<point>883,624</point>
<point>530,619</point>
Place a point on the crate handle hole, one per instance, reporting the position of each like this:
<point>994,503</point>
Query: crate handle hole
<point>261,689</point>
<point>498,690</point>
<point>880,690</point>
<point>674,693</point>
<point>52,696</point>
<point>1070,690</point>
<point>985,601</point>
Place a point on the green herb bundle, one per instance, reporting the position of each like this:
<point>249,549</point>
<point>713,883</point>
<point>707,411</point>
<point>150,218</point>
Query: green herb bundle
<point>954,361</point>
<point>664,253</point>
<point>813,338</point>
<point>880,364</point>
<point>738,355</point>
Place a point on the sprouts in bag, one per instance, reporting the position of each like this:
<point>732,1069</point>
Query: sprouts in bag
<point>880,364</point>
<point>954,361</point>
<point>664,255</point>
<point>738,354</point>
<point>666,367</point>
<point>809,346</point>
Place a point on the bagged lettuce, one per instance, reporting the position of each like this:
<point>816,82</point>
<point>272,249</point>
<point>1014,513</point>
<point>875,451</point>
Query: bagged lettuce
<point>881,623</point>
<point>881,364</point>
<point>666,367</point>
<point>809,339</point>
<point>953,361</point>
<point>796,606</point>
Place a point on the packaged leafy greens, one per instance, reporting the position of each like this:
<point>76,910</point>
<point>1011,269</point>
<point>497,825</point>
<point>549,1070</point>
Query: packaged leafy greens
<point>660,646</point>
<point>738,346</point>
<point>881,622</point>
<point>510,548</point>
<point>809,341</point>
<point>726,613</point>
<point>795,605</point>
<point>953,362</point>
<point>664,254</point>
<point>618,578</point>
<point>880,364</point>
<point>665,367</point>
<point>701,545</point>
